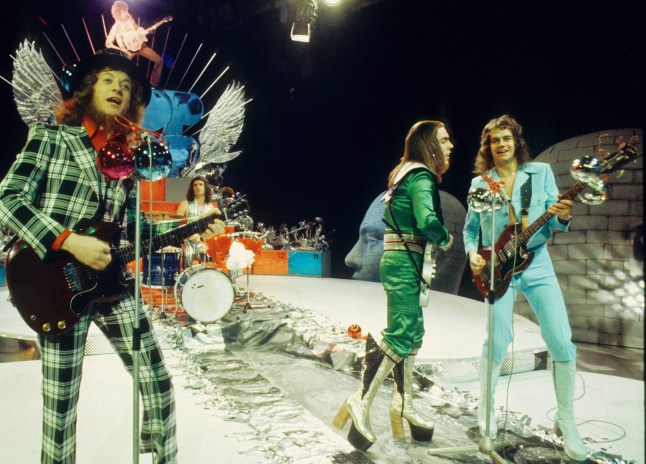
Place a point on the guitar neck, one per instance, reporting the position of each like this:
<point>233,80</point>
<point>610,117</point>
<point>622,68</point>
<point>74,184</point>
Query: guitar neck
<point>156,25</point>
<point>535,226</point>
<point>173,237</point>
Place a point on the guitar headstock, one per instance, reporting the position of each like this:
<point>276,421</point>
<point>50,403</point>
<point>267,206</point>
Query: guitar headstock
<point>594,172</point>
<point>619,158</point>
<point>236,206</point>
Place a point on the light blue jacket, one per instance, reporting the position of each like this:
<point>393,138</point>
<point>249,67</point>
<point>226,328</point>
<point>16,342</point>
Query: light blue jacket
<point>544,193</point>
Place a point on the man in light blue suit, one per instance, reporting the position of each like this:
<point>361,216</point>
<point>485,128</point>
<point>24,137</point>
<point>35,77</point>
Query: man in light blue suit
<point>530,190</point>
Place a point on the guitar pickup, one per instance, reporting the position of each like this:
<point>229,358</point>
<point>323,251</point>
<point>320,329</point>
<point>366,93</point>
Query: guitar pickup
<point>72,278</point>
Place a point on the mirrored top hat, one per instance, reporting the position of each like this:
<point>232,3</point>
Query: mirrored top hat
<point>72,77</point>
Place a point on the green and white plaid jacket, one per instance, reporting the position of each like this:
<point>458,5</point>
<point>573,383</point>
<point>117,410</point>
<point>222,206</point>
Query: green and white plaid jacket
<point>53,185</point>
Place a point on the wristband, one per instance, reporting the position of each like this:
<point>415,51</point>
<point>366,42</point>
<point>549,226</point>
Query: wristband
<point>58,243</point>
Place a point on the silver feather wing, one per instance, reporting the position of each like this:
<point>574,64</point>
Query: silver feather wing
<point>222,129</point>
<point>35,90</point>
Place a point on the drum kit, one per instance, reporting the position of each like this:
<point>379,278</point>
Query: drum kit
<point>194,276</point>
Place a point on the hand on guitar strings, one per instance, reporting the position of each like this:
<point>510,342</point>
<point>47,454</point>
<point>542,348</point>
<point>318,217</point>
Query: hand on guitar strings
<point>562,209</point>
<point>214,228</point>
<point>476,261</point>
<point>90,251</point>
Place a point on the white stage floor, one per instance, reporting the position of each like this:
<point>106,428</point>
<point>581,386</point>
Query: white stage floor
<point>455,330</point>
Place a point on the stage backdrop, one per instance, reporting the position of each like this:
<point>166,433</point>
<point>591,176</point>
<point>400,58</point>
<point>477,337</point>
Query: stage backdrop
<point>600,261</point>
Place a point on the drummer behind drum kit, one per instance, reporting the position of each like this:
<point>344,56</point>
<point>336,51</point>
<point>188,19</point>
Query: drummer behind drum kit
<point>203,292</point>
<point>206,291</point>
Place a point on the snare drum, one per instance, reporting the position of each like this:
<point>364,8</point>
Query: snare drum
<point>164,267</point>
<point>204,293</point>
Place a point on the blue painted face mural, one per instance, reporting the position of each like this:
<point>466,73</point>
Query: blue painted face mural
<point>366,254</point>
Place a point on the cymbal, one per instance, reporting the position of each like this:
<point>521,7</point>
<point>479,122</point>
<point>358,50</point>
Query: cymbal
<point>161,216</point>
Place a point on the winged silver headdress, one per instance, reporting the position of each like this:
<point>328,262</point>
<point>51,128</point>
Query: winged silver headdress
<point>35,89</point>
<point>222,130</point>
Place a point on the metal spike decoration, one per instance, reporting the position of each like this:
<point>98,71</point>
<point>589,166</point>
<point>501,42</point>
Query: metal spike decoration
<point>222,129</point>
<point>35,90</point>
<point>36,93</point>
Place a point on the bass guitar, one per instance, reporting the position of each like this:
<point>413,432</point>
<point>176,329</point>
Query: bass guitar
<point>133,40</point>
<point>510,251</point>
<point>428,272</point>
<point>70,286</point>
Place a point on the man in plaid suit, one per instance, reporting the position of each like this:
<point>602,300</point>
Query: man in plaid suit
<point>52,188</point>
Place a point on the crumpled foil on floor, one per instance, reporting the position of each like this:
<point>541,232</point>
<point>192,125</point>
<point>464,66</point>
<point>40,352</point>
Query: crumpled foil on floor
<point>284,371</point>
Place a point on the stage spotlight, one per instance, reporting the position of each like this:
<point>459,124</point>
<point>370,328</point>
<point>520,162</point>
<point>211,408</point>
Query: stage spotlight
<point>300,31</point>
<point>332,2</point>
<point>304,17</point>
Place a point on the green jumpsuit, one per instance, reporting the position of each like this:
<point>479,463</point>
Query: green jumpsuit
<point>417,212</point>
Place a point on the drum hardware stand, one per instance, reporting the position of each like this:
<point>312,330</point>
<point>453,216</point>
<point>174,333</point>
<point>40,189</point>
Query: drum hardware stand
<point>164,290</point>
<point>247,305</point>
<point>493,203</point>
<point>163,280</point>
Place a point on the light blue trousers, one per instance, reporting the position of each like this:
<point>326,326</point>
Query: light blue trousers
<point>541,288</point>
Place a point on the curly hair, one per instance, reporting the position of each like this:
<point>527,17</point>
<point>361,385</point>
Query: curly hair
<point>71,111</point>
<point>208,190</point>
<point>484,158</point>
<point>119,6</point>
<point>421,145</point>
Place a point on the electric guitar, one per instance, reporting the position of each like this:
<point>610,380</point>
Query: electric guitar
<point>133,40</point>
<point>428,272</point>
<point>510,251</point>
<point>68,287</point>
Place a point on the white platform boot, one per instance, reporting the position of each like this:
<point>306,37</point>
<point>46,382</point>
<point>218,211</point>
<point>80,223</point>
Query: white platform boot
<point>564,375</point>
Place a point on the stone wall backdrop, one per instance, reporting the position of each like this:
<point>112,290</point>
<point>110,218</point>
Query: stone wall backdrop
<point>600,261</point>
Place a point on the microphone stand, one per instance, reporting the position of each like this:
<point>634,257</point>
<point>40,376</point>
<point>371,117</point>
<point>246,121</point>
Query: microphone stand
<point>486,445</point>
<point>136,329</point>
<point>136,332</point>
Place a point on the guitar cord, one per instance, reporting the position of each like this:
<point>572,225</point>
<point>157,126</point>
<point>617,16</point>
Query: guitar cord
<point>514,289</point>
<point>513,352</point>
<point>550,414</point>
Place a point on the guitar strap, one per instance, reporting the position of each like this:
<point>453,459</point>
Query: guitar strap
<point>128,185</point>
<point>119,215</point>
<point>525,200</point>
<point>396,228</point>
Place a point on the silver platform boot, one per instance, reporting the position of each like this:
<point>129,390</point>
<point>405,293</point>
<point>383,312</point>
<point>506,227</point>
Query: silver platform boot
<point>401,407</point>
<point>357,406</point>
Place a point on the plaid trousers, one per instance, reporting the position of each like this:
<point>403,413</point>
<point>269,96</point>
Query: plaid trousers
<point>62,359</point>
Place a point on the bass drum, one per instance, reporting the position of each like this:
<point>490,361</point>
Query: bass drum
<point>205,293</point>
